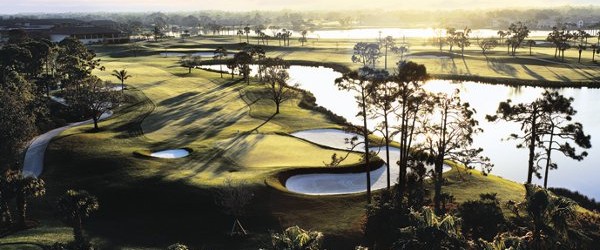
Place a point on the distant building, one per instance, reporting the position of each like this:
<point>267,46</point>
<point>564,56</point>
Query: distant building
<point>88,34</point>
<point>100,31</point>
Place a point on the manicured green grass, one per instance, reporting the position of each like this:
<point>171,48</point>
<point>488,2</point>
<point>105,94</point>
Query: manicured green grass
<point>229,125</point>
<point>540,66</point>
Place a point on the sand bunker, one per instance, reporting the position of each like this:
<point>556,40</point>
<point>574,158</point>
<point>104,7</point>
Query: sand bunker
<point>171,153</point>
<point>343,183</point>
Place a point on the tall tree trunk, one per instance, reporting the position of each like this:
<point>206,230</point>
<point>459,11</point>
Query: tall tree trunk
<point>366,137</point>
<point>277,105</point>
<point>5,212</point>
<point>437,197</point>
<point>387,148</point>
<point>95,118</point>
<point>221,70</point>
<point>386,48</point>
<point>438,179</point>
<point>548,152</point>
<point>21,209</point>
<point>532,145</point>
<point>78,230</point>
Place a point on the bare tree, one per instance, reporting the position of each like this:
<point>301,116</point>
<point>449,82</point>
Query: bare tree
<point>276,78</point>
<point>233,197</point>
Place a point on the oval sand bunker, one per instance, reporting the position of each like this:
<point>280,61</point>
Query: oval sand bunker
<point>343,183</point>
<point>171,153</point>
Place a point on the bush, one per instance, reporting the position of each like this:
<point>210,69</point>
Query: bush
<point>482,218</point>
<point>177,246</point>
<point>296,238</point>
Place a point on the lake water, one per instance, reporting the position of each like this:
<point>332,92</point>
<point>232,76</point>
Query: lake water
<point>510,162</point>
<point>373,33</point>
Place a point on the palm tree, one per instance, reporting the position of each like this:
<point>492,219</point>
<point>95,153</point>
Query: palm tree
<point>247,32</point>
<point>220,53</point>
<point>240,33</point>
<point>73,207</point>
<point>530,43</point>
<point>122,75</point>
<point>27,187</point>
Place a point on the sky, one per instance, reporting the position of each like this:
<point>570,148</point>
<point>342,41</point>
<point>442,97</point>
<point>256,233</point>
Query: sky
<point>62,6</point>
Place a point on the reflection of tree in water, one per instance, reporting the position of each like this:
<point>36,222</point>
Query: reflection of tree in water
<point>515,90</point>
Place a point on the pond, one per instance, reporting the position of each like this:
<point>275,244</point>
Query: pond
<point>205,54</point>
<point>373,33</point>
<point>510,162</point>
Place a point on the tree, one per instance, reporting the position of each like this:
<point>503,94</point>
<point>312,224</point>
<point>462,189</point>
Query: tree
<point>27,187</point>
<point>303,37</point>
<point>247,32</point>
<point>560,38</point>
<point>580,48</point>
<point>517,32</point>
<point>74,207</point>
<point>549,214</point>
<point>233,197</point>
<point>381,100</point>
<point>220,53</point>
<point>451,37</point>
<point>366,53</point>
<point>190,62</point>
<point>296,238</point>
<point>13,59</point>
<point>501,34</point>
<point>412,103</point>
<point>487,44</point>
<point>240,33</point>
<point>75,61</point>
<point>232,65</point>
<point>359,83</point>
<point>449,137</point>
<point>242,60</point>
<point>558,130</point>
<point>7,193</point>
<point>17,119</point>
<point>462,39</point>
<point>258,30</point>
<point>387,43</point>
<point>276,77</point>
<point>531,116</point>
<point>400,50</point>
<point>594,50</point>
<point>91,98</point>
<point>530,43</point>
<point>122,75</point>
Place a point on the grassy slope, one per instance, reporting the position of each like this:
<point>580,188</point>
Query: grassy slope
<point>152,203</point>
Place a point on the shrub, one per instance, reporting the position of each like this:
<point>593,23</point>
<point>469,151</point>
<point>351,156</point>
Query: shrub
<point>296,238</point>
<point>482,218</point>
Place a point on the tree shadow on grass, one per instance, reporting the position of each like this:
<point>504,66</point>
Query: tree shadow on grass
<point>501,68</point>
<point>533,74</point>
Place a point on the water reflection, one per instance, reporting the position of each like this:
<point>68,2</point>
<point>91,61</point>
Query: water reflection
<point>510,162</point>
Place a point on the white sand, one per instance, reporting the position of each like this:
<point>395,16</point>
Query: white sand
<point>343,183</point>
<point>171,153</point>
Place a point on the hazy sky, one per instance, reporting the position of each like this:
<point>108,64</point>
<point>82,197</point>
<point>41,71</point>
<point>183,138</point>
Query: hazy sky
<point>29,6</point>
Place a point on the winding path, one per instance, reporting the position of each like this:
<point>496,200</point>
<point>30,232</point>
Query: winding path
<point>33,164</point>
